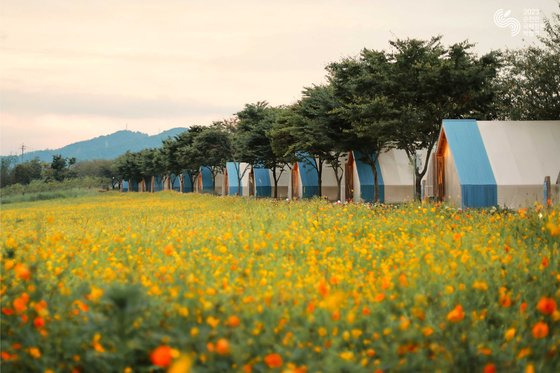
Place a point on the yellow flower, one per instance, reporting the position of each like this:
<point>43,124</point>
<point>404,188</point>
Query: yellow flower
<point>510,333</point>
<point>34,352</point>
<point>346,355</point>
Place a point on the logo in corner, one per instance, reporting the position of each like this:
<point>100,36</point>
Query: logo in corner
<point>503,20</point>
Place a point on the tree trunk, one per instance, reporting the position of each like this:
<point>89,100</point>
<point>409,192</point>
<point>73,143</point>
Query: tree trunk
<point>418,187</point>
<point>339,186</point>
<point>320,176</point>
<point>275,182</point>
<point>181,182</point>
<point>375,182</point>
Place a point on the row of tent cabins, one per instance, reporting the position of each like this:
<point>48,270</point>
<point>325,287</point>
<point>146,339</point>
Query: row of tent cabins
<point>475,164</point>
<point>297,181</point>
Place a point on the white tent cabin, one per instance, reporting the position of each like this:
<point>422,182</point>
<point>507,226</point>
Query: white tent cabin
<point>204,181</point>
<point>489,163</point>
<point>395,177</point>
<point>231,181</point>
<point>304,181</point>
<point>261,182</point>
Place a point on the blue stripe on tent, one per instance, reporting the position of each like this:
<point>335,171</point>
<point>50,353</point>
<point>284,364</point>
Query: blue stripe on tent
<point>262,182</point>
<point>309,179</point>
<point>233,183</point>
<point>206,180</point>
<point>158,184</point>
<point>478,185</point>
<point>366,180</point>
<point>187,185</point>
<point>175,183</point>
<point>125,186</point>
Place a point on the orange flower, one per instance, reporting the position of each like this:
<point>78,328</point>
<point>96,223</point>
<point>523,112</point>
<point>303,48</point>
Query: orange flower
<point>489,368</point>
<point>323,289</point>
<point>22,271</point>
<point>161,356</point>
<point>546,306</point>
<point>505,300</point>
<point>233,321</point>
<point>540,330</point>
<point>273,360</point>
<point>7,356</point>
<point>523,307</point>
<point>39,322</point>
<point>222,346</point>
<point>7,311</point>
<point>456,314</point>
<point>20,303</point>
<point>544,262</point>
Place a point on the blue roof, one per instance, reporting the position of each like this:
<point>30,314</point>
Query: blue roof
<point>187,185</point>
<point>158,184</point>
<point>233,182</point>
<point>263,184</point>
<point>309,179</point>
<point>366,180</point>
<point>175,183</point>
<point>478,185</point>
<point>206,174</point>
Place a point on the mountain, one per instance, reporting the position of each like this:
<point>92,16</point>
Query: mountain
<point>106,147</point>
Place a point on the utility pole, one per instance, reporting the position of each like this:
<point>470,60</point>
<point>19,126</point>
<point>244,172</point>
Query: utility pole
<point>22,150</point>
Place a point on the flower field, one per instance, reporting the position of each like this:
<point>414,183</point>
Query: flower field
<point>151,282</point>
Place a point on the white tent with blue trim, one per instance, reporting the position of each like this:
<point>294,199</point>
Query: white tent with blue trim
<point>496,163</point>
<point>395,177</point>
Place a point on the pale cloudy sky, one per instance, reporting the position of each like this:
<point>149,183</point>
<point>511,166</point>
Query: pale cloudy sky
<point>72,70</point>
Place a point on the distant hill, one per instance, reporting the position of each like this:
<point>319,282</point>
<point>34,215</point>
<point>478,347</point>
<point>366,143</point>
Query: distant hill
<point>106,147</point>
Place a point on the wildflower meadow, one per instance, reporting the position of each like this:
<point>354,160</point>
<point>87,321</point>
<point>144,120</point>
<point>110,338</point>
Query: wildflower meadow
<point>185,282</point>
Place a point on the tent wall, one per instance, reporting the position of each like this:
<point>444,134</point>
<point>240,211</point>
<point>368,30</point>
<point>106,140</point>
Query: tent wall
<point>452,186</point>
<point>218,187</point>
<point>232,171</point>
<point>263,182</point>
<point>478,185</point>
<point>283,182</point>
<point>329,187</point>
<point>187,184</point>
<point>398,176</point>
<point>364,181</point>
<point>499,163</point>
<point>205,182</point>
<point>306,180</point>
<point>124,186</point>
<point>521,154</point>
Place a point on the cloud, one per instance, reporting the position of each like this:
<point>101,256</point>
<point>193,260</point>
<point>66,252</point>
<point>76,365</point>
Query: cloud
<point>62,103</point>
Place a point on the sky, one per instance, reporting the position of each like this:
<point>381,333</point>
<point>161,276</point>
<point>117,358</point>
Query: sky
<point>73,70</point>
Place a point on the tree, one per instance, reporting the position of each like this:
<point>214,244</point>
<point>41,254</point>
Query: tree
<point>253,138</point>
<point>529,81</point>
<point>7,170</point>
<point>151,162</point>
<point>319,132</point>
<point>282,135</point>
<point>399,98</point>
<point>26,172</point>
<point>357,84</point>
<point>171,162</point>
<point>60,168</point>
<point>127,167</point>
<point>213,145</point>
<point>189,159</point>
<point>430,82</point>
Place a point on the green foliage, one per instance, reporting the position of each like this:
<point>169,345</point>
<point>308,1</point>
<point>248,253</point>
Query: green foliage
<point>529,82</point>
